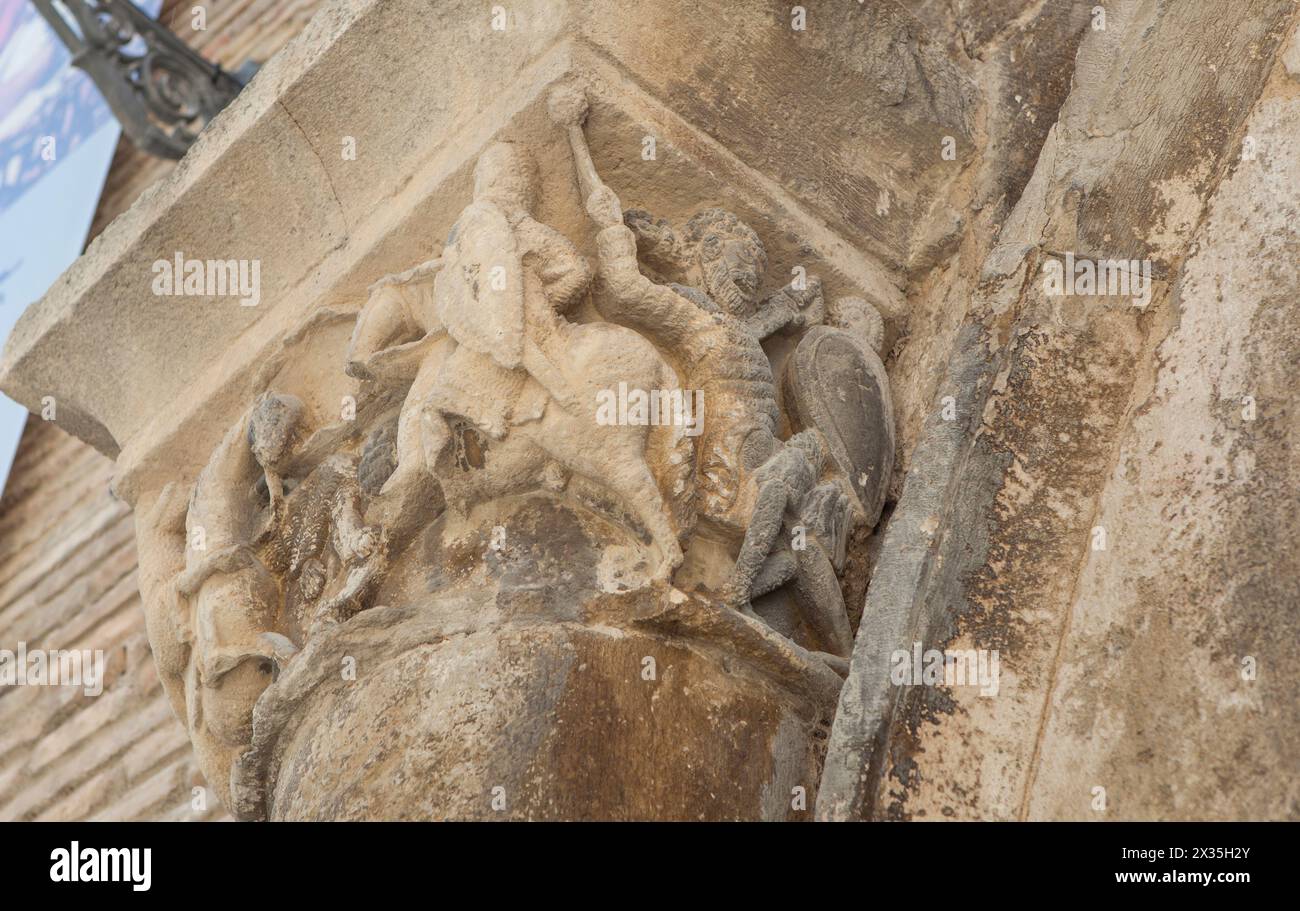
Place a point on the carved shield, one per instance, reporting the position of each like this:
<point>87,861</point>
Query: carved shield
<point>839,386</point>
<point>479,294</point>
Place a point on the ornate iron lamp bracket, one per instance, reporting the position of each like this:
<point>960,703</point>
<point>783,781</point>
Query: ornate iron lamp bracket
<point>161,91</point>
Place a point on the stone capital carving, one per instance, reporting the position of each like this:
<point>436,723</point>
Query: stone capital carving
<point>507,488</point>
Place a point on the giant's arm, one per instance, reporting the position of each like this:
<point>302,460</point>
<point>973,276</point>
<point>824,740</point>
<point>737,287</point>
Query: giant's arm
<point>774,314</point>
<point>633,300</point>
<point>790,310</point>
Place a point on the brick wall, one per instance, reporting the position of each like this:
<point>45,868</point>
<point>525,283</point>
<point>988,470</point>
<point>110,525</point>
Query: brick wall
<point>68,562</point>
<point>67,581</point>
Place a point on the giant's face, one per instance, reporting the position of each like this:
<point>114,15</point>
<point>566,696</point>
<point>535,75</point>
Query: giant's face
<point>731,263</point>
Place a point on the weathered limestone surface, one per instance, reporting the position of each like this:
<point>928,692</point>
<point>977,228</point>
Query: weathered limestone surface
<point>395,565</point>
<point>1053,401</point>
<point>267,180</point>
<point>1200,580</point>
<point>288,500</point>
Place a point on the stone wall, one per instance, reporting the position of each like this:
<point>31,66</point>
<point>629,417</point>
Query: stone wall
<point>1112,509</point>
<point>67,580</point>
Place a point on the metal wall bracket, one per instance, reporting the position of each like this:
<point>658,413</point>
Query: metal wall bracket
<point>160,90</point>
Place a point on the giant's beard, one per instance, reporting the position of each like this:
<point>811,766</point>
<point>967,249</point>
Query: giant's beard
<point>724,291</point>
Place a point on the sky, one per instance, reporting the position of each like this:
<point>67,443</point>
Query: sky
<point>57,138</point>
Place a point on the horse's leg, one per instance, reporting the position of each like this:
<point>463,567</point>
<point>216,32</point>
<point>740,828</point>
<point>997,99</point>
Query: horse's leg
<point>779,569</point>
<point>403,487</point>
<point>619,466</point>
<point>637,488</point>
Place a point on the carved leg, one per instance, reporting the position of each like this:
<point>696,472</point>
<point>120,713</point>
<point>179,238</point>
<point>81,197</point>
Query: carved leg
<point>353,540</point>
<point>779,569</point>
<point>817,593</point>
<point>764,526</point>
<point>642,493</point>
<point>361,582</point>
<point>509,466</point>
<point>409,482</point>
<point>620,467</point>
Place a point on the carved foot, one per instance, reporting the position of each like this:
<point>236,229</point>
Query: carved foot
<point>834,662</point>
<point>408,498</point>
<point>323,618</point>
<point>672,559</point>
<point>361,580</point>
<point>738,599</point>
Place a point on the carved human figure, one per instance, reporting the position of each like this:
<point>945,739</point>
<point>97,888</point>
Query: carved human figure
<point>718,355</point>
<point>497,353</point>
<point>789,498</point>
<point>750,485</point>
<point>713,331</point>
<point>228,599</point>
<point>722,261</point>
<point>245,565</point>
